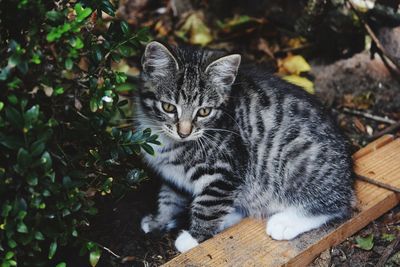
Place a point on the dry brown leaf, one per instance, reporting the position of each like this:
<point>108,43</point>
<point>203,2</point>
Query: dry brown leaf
<point>359,125</point>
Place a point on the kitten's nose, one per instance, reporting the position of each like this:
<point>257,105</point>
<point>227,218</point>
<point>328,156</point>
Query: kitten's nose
<point>184,128</point>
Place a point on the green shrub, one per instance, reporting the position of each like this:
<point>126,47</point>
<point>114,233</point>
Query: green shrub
<point>58,142</point>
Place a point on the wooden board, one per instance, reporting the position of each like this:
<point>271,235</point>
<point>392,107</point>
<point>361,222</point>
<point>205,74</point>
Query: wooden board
<point>371,165</point>
<point>247,244</point>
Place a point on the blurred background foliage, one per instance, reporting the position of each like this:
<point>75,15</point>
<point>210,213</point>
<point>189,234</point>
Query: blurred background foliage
<point>60,110</point>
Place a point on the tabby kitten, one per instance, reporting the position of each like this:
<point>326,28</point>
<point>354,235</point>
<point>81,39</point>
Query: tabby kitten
<point>238,142</point>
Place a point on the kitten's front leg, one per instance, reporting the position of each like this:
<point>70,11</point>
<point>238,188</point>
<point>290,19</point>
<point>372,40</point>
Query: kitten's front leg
<point>170,204</point>
<point>208,212</point>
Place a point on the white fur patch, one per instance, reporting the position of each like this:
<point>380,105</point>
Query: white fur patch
<point>185,242</point>
<point>144,224</point>
<point>290,223</point>
<point>230,219</point>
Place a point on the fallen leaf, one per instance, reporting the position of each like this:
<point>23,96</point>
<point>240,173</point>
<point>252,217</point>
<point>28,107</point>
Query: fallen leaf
<point>305,83</point>
<point>293,65</point>
<point>228,24</point>
<point>365,243</point>
<point>359,125</point>
<point>48,90</point>
<point>388,237</point>
<point>84,63</point>
<point>263,45</point>
<point>195,30</point>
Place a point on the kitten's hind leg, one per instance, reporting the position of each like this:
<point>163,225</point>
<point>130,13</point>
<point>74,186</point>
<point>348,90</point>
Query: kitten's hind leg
<point>288,224</point>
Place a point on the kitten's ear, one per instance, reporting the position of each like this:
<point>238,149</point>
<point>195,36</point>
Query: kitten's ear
<point>223,71</point>
<point>158,61</point>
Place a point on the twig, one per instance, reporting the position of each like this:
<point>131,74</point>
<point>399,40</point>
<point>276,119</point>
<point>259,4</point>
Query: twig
<point>387,252</point>
<point>375,39</point>
<point>391,129</point>
<point>380,184</point>
<point>369,116</point>
<point>109,251</point>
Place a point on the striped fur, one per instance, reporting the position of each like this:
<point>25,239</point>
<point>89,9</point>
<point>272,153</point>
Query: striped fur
<point>267,149</point>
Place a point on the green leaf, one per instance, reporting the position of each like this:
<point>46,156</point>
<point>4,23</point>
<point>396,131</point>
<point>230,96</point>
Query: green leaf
<point>365,243</point>
<point>77,43</point>
<point>126,50</point>
<point>94,257</point>
<point>148,148</point>
<point>9,255</point>
<point>23,158</point>
<point>37,148</point>
<point>11,142</point>
<point>388,237</point>
<point>11,243</point>
<point>124,26</point>
<point>57,32</point>
<point>14,117</point>
<point>46,161</point>
<point>69,64</point>
<point>61,264</point>
<point>52,249</point>
<point>98,55</point>
<point>31,115</point>
<point>21,228</point>
<point>54,15</point>
<point>58,90</point>
<point>6,210</point>
<point>93,105</point>
<point>32,179</point>
<point>39,235</point>
<point>82,13</point>
<point>107,7</point>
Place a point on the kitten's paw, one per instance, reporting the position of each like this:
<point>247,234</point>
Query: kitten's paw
<point>289,224</point>
<point>150,223</point>
<point>145,223</point>
<point>185,242</point>
<point>280,229</point>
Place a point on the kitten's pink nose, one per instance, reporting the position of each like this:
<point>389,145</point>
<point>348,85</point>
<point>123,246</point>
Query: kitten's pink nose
<point>184,128</point>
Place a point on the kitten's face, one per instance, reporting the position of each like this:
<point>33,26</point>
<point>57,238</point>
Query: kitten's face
<point>184,100</point>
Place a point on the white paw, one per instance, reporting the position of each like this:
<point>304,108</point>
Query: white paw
<point>289,224</point>
<point>280,229</point>
<point>145,223</point>
<point>185,242</point>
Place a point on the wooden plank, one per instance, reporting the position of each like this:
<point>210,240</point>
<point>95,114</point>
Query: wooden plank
<point>247,244</point>
<point>373,146</point>
<point>371,165</point>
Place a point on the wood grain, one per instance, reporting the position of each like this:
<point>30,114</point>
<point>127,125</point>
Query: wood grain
<point>247,244</point>
<point>371,165</point>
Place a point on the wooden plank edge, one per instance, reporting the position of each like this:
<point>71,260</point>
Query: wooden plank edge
<point>345,230</point>
<point>373,146</point>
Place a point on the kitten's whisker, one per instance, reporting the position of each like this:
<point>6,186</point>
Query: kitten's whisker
<point>221,130</point>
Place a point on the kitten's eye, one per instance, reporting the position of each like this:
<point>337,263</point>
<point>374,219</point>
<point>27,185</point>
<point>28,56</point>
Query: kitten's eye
<point>167,107</point>
<point>204,112</point>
